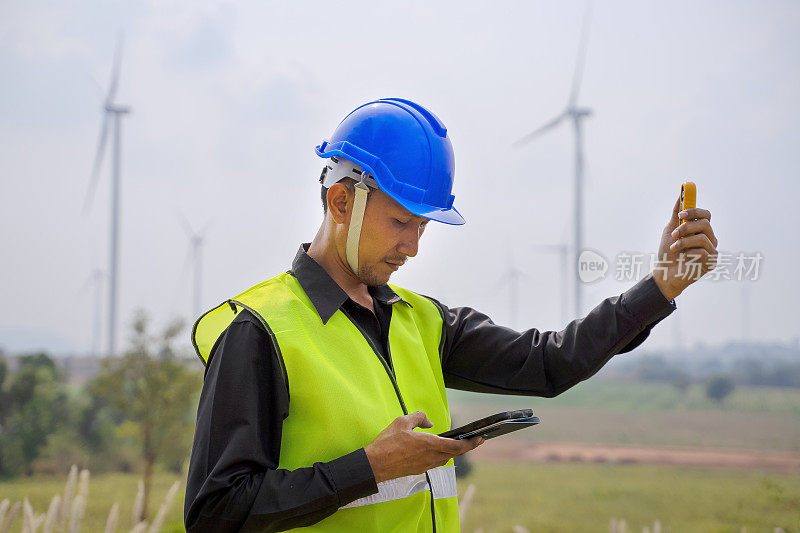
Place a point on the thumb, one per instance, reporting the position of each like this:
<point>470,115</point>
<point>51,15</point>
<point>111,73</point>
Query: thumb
<point>674,221</point>
<point>418,419</point>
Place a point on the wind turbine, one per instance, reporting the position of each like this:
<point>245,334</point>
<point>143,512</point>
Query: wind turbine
<point>576,114</point>
<point>112,114</point>
<point>95,280</point>
<point>511,277</point>
<point>196,241</point>
<point>563,252</point>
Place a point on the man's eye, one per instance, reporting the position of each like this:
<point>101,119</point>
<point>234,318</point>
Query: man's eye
<point>400,222</point>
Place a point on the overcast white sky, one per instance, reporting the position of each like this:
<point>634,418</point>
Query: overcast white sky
<point>229,100</point>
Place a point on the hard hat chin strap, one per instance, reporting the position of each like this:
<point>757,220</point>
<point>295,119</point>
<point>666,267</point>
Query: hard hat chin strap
<point>356,220</point>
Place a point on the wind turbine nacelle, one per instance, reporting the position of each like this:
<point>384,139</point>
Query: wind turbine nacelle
<point>120,110</point>
<point>579,112</point>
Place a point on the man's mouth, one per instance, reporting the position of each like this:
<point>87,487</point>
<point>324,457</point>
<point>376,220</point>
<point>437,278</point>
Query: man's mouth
<point>395,264</point>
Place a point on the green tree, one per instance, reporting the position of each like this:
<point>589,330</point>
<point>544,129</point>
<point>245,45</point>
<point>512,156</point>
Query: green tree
<point>157,391</point>
<point>35,405</point>
<point>5,404</point>
<point>86,437</point>
<point>719,387</point>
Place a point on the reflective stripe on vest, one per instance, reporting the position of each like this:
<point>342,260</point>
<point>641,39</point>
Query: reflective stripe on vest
<point>443,485</point>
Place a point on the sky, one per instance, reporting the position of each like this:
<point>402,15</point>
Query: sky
<point>229,99</point>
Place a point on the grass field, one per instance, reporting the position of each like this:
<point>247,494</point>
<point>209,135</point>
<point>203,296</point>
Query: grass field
<point>633,396</point>
<point>651,414</point>
<point>104,491</point>
<point>711,429</point>
<point>581,497</point>
<point>540,497</point>
<point>572,496</point>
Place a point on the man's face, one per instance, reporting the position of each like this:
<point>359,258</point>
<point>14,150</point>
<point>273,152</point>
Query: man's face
<point>389,235</point>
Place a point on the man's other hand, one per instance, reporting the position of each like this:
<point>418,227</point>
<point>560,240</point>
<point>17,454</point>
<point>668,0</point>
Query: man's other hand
<point>687,251</point>
<point>400,451</point>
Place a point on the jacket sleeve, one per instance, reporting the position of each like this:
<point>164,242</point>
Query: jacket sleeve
<point>234,483</point>
<point>482,356</point>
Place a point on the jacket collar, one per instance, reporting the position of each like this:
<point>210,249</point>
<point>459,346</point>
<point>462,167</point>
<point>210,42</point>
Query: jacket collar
<point>325,294</point>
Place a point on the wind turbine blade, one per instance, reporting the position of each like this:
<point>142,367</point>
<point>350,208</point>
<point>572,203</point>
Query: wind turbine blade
<point>202,232</point>
<point>500,282</point>
<point>188,260</point>
<point>548,247</point>
<point>92,279</point>
<point>186,226</point>
<point>97,86</point>
<point>98,162</point>
<point>539,131</point>
<point>112,87</point>
<point>86,284</point>
<point>578,74</point>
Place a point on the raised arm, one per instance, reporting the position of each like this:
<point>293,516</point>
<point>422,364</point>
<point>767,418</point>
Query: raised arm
<point>482,356</point>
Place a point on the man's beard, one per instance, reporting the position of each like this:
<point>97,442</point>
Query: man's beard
<point>369,275</point>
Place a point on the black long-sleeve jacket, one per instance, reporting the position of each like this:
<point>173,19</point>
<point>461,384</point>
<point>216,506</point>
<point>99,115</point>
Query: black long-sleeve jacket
<point>234,483</point>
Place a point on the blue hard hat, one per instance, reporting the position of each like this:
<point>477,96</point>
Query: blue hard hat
<point>405,148</point>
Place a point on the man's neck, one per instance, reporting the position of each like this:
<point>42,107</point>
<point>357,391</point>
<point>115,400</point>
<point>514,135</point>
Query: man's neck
<point>323,251</point>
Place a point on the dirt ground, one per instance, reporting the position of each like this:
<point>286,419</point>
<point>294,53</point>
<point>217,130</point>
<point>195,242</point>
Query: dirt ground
<point>520,450</point>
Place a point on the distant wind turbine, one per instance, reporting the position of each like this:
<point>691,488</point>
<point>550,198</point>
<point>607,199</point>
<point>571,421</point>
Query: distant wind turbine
<point>563,252</point>
<point>95,280</point>
<point>195,254</point>
<point>112,113</point>
<point>576,114</point>
<point>511,278</point>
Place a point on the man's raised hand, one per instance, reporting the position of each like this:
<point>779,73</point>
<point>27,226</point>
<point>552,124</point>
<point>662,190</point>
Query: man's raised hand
<point>687,251</point>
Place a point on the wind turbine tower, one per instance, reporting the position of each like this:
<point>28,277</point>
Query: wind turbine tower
<point>197,251</point>
<point>563,253</point>
<point>511,277</point>
<point>95,281</point>
<point>112,115</point>
<point>575,114</point>
<point>196,241</point>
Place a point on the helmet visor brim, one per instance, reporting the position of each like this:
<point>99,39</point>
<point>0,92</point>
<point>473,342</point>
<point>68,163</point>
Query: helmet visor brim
<point>448,216</point>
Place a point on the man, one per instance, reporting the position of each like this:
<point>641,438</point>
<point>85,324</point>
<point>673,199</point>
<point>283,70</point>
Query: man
<point>325,387</point>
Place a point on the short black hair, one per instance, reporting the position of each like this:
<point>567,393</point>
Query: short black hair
<point>324,197</point>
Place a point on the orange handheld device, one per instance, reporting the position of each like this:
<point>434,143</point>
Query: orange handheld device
<point>688,196</point>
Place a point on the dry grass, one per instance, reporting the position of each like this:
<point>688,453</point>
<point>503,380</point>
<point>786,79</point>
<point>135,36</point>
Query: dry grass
<point>66,513</point>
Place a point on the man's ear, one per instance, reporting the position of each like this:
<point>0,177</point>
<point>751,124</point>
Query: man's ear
<point>338,198</point>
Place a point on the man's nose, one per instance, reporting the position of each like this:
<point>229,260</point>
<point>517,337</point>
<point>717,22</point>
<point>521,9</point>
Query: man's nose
<point>410,243</point>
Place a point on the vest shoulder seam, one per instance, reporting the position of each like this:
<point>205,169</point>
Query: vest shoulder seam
<point>273,340</point>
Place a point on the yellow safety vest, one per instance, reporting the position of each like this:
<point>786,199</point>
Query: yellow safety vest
<point>343,393</point>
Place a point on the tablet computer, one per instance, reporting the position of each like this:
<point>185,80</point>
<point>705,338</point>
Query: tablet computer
<point>494,425</point>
